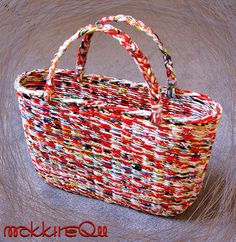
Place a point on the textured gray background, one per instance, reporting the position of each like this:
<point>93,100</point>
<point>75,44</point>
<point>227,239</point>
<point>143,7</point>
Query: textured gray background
<point>200,36</point>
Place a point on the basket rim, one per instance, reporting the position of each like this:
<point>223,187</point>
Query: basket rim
<point>214,115</point>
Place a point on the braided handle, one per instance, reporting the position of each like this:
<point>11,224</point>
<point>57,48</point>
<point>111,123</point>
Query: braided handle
<point>132,48</point>
<point>139,25</point>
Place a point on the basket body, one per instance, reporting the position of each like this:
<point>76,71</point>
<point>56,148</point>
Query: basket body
<point>114,155</point>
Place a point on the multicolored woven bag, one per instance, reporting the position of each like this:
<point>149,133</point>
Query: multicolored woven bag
<point>139,145</point>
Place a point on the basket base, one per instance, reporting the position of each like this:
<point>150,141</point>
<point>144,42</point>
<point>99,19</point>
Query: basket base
<point>154,209</point>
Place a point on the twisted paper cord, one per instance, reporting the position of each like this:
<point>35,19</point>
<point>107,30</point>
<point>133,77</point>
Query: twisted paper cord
<point>140,26</point>
<point>132,48</point>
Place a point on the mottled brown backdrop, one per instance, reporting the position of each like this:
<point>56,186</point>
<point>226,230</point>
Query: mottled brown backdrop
<point>200,36</point>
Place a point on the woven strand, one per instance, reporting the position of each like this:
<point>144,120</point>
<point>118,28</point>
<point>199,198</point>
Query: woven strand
<point>140,26</point>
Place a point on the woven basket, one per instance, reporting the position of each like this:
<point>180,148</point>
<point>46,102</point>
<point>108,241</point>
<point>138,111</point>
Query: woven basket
<point>138,145</point>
